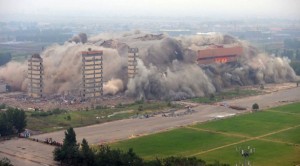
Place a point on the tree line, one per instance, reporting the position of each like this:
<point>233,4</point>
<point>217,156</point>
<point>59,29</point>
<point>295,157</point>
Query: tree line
<point>72,153</point>
<point>4,58</point>
<point>12,120</point>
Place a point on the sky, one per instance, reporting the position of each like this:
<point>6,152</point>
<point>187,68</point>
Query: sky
<point>283,9</point>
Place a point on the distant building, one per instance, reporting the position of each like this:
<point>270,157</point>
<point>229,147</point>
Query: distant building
<point>92,74</point>
<point>132,62</point>
<point>219,54</point>
<point>35,76</point>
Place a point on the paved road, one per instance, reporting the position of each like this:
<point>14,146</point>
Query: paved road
<point>124,129</point>
<point>269,100</point>
<point>26,152</point>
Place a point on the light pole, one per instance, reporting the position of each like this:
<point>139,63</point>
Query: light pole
<point>245,153</point>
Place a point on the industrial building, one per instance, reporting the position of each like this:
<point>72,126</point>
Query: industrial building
<point>132,62</point>
<point>35,76</point>
<point>92,74</point>
<point>219,54</point>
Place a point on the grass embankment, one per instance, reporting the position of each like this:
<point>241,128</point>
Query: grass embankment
<point>226,95</point>
<point>274,133</point>
<point>47,122</point>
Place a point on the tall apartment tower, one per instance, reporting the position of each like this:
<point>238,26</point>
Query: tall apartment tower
<point>132,62</point>
<point>92,74</point>
<point>35,76</point>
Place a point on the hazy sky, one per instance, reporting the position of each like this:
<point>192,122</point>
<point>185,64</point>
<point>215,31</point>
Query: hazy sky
<point>168,8</point>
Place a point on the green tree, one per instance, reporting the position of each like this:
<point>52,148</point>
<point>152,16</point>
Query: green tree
<point>17,118</point>
<point>4,58</point>
<point>11,121</point>
<point>181,161</point>
<point>255,107</point>
<point>69,152</point>
<point>189,161</point>
<point>20,120</point>
<point>131,158</point>
<point>2,106</point>
<point>5,162</point>
<point>70,137</point>
<point>115,157</point>
<point>217,163</point>
<point>86,154</point>
<point>6,127</point>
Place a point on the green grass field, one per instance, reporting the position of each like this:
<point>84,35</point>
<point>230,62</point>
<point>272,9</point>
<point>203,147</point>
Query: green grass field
<point>83,118</point>
<point>266,154</point>
<point>274,133</point>
<point>253,124</point>
<point>291,108</point>
<point>180,141</point>
<point>292,136</point>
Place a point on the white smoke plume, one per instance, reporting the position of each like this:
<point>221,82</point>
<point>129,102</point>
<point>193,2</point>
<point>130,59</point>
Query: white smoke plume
<point>167,68</point>
<point>113,86</point>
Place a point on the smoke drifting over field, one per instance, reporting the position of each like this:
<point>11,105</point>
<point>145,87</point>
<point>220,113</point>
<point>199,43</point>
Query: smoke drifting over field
<point>167,66</point>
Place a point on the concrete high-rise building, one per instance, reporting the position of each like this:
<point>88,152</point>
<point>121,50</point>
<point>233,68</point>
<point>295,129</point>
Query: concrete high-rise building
<point>132,62</point>
<point>35,76</point>
<point>92,74</point>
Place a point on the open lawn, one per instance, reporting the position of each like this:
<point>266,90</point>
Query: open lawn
<point>274,133</point>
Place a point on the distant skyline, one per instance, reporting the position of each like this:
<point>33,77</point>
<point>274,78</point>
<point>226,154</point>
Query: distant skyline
<point>219,9</point>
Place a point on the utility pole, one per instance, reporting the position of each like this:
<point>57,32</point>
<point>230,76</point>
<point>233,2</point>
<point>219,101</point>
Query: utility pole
<point>245,153</point>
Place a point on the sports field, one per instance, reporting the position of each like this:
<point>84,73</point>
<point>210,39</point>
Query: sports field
<point>274,133</point>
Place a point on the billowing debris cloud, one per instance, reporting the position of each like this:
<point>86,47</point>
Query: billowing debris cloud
<point>167,67</point>
<point>80,38</point>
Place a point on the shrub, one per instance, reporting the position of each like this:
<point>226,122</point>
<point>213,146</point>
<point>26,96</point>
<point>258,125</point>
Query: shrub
<point>140,108</point>
<point>255,107</point>
<point>55,111</point>
<point>5,162</point>
<point>99,107</point>
<point>2,106</point>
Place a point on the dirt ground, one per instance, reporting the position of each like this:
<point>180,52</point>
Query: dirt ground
<point>33,153</point>
<point>21,100</point>
<point>24,152</point>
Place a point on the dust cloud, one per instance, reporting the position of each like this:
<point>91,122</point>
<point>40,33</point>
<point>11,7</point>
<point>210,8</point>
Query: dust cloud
<point>167,67</point>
